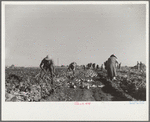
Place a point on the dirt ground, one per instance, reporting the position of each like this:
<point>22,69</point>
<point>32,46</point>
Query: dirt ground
<point>86,85</point>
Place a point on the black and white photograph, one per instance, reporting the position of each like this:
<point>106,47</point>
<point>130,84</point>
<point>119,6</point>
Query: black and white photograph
<point>80,54</point>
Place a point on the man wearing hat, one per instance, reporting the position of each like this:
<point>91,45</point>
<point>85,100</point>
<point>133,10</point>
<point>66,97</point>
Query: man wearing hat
<point>111,67</point>
<point>72,67</point>
<point>47,64</point>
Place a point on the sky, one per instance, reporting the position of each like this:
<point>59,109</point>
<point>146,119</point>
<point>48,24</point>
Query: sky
<point>81,33</point>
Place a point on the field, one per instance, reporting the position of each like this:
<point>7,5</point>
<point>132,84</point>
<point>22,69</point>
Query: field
<point>23,84</point>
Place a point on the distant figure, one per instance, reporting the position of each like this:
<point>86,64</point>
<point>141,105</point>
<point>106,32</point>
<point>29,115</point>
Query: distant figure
<point>141,66</point>
<point>111,67</point>
<point>72,67</point>
<point>97,67</point>
<point>12,66</point>
<point>102,67</point>
<point>46,65</point>
<point>89,65</point>
<point>105,63</point>
<point>93,65</point>
<point>138,65</point>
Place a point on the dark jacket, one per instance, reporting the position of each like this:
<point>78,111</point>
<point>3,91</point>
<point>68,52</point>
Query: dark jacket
<point>111,67</point>
<point>46,64</point>
<point>72,66</point>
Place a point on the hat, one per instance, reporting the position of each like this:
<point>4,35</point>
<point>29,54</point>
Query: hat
<point>48,57</point>
<point>113,56</point>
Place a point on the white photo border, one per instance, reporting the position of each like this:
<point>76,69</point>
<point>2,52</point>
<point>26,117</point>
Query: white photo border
<point>62,111</point>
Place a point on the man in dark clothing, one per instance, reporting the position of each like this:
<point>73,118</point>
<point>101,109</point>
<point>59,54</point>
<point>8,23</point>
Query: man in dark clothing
<point>111,67</point>
<point>105,63</point>
<point>72,67</point>
<point>102,67</point>
<point>89,65</point>
<point>97,67</point>
<point>93,65</point>
<point>46,65</point>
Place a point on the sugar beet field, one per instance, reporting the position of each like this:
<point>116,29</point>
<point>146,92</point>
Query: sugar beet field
<point>23,84</point>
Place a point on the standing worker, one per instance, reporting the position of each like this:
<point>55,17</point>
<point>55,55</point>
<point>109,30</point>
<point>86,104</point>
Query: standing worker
<point>97,67</point>
<point>46,65</point>
<point>93,65</point>
<point>111,67</point>
<point>141,66</point>
<point>138,65</point>
<point>102,67</point>
<point>105,63</point>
